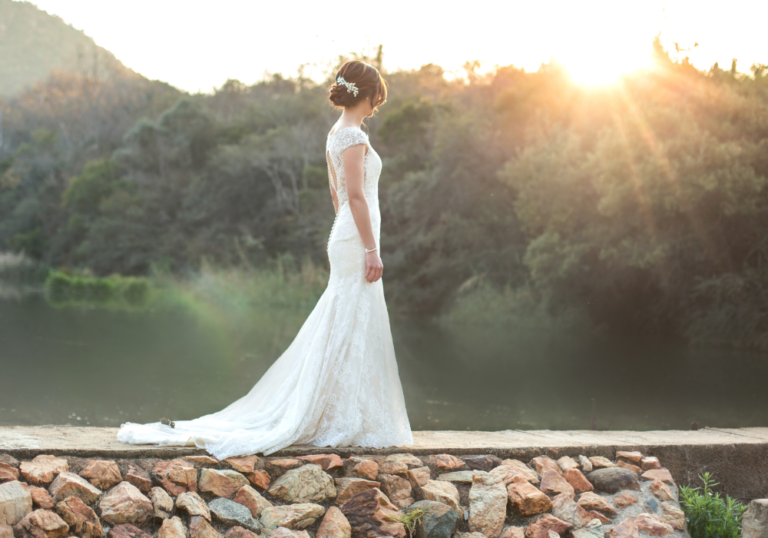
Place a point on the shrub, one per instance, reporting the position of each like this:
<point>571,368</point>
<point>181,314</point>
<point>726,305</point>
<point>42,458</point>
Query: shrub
<point>707,514</point>
<point>135,291</point>
<point>63,288</point>
<point>100,290</point>
<point>410,519</point>
<point>57,287</point>
<point>78,288</point>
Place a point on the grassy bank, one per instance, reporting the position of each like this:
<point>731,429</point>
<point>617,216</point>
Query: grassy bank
<point>65,289</point>
<point>480,304</point>
<point>285,288</point>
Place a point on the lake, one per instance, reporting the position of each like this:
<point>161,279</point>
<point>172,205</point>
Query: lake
<point>100,367</point>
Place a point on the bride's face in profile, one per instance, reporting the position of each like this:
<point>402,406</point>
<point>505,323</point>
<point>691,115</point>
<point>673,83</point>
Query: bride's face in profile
<point>368,107</point>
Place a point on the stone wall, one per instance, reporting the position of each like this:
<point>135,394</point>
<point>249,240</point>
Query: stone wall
<point>327,496</point>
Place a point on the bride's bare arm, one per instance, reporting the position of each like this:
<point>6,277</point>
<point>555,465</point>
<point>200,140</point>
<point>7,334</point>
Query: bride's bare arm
<point>332,183</point>
<point>354,162</point>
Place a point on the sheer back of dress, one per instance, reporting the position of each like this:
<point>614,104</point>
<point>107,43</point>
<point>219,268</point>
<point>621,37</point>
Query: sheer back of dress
<point>335,145</point>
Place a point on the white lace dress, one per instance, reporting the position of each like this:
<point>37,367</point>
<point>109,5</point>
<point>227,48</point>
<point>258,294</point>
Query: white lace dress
<point>337,384</point>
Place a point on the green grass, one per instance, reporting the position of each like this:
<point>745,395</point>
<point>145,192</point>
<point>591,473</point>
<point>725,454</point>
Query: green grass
<point>478,303</point>
<point>285,285</point>
<point>65,289</point>
<point>253,312</point>
<point>709,515</point>
<point>410,519</point>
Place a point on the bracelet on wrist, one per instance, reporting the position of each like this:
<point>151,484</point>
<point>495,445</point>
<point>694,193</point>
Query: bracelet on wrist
<point>371,249</point>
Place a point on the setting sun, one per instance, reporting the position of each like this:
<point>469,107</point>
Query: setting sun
<point>595,70</point>
<point>596,40</point>
<point>599,42</point>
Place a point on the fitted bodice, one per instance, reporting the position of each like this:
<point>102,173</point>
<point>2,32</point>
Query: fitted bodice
<point>335,145</point>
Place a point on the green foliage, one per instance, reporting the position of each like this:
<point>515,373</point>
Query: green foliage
<point>284,285</point>
<point>452,220</point>
<point>31,242</point>
<point>480,304</point>
<point>410,519</point>
<point>101,290</point>
<point>315,176</point>
<point>730,308</point>
<point>639,209</point>
<point>707,514</point>
<point>135,291</point>
<point>65,289</point>
<point>86,191</point>
<point>627,215</point>
<point>407,134</point>
<point>407,126</point>
<point>58,286</point>
<point>266,305</point>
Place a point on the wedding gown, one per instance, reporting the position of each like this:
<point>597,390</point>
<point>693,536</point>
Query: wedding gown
<point>337,384</point>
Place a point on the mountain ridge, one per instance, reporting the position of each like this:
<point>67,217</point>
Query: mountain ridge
<point>33,43</point>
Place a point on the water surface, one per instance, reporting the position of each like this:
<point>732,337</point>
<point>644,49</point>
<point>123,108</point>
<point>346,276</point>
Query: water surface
<point>91,366</point>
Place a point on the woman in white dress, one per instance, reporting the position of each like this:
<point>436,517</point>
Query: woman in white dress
<point>337,384</point>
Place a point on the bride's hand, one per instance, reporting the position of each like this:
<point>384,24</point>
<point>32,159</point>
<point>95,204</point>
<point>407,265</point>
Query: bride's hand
<point>373,266</point>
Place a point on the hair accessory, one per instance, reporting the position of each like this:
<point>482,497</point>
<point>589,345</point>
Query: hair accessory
<point>350,85</point>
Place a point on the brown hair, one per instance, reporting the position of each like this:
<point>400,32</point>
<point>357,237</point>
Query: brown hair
<point>369,82</point>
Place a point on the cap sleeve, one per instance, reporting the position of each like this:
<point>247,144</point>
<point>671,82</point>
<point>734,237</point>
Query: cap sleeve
<point>350,136</point>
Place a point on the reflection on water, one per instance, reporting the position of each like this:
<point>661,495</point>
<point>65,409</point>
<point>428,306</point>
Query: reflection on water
<point>99,367</point>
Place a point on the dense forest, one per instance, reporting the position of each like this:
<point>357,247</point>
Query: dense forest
<point>643,204</point>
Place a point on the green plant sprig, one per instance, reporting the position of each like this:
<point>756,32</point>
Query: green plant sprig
<point>707,514</point>
<point>410,519</point>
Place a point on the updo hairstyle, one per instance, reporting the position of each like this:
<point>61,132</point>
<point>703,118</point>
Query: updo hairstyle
<point>370,84</point>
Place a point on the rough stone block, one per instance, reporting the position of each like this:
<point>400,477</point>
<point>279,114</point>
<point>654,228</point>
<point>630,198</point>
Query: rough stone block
<point>71,485</point>
<point>41,524</point>
<point>43,469</point>
<point>308,483</point>
<point>335,525</point>
<point>125,504</point>
<point>15,502</point>
<point>613,479</point>
<point>291,516</point>
<point>755,521</point>
<point>221,483</point>
<point>439,520</point>
<point>80,517</point>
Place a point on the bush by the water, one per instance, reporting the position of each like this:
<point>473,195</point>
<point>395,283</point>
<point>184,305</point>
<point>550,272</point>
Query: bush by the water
<point>284,285</point>
<point>708,514</point>
<point>478,303</point>
<point>254,311</point>
<point>63,288</point>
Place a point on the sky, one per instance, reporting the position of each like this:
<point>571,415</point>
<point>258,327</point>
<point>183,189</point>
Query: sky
<point>197,46</point>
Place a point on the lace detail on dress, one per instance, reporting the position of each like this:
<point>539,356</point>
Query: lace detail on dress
<point>335,146</point>
<point>337,384</point>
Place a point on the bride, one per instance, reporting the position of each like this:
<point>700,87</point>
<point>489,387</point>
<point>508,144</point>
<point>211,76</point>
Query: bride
<point>337,384</point>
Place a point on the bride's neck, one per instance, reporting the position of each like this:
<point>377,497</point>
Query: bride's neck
<point>352,116</point>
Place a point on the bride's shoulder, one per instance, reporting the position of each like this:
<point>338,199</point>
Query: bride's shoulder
<point>345,137</point>
<point>347,131</point>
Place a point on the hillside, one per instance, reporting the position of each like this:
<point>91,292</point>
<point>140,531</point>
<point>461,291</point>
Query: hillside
<point>33,43</point>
